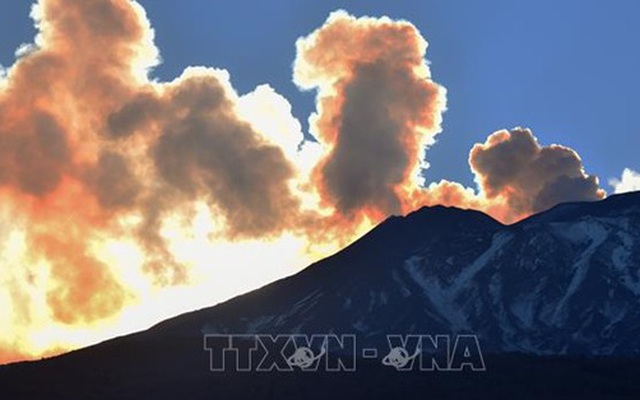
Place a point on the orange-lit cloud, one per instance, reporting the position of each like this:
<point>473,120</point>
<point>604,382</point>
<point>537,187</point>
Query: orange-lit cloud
<point>516,177</point>
<point>130,200</point>
<point>511,167</point>
<point>378,109</point>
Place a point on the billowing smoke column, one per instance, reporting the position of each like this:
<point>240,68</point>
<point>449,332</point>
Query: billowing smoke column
<point>52,105</point>
<point>95,156</point>
<point>378,109</point>
<point>117,192</point>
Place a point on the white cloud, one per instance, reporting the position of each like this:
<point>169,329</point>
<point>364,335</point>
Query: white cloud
<point>3,76</point>
<point>629,182</point>
<point>25,49</point>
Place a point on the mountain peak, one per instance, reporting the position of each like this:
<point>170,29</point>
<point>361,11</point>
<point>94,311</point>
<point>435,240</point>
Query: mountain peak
<point>429,223</point>
<point>441,211</point>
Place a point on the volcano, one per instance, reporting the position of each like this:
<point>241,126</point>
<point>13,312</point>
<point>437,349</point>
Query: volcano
<point>553,301</point>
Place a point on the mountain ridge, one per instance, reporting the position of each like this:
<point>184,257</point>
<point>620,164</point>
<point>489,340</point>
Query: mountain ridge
<point>443,277</point>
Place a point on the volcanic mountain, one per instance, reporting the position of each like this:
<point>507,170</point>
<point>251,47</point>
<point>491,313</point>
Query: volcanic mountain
<point>554,301</point>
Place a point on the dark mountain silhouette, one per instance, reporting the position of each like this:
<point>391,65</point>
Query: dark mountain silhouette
<point>554,301</point>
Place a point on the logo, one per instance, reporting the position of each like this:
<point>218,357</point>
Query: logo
<point>303,357</point>
<point>340,353</point>
<point>399,358</point>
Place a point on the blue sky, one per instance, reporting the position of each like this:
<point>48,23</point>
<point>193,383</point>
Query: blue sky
<point>568,70</point>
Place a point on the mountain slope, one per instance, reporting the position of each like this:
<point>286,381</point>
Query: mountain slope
<point>563,282</point>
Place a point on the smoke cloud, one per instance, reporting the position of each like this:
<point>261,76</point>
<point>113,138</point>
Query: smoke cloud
<point>512,167</point>
<point>130,200</point>
<point>378,109</point>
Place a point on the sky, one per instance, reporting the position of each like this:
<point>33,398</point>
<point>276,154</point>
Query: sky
<point>157,157</point>
<point>567,70</point>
